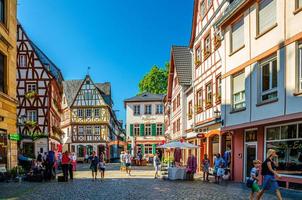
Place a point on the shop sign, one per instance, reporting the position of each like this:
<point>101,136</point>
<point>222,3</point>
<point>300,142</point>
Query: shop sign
<point>15,137</point>
<point>200,135</point>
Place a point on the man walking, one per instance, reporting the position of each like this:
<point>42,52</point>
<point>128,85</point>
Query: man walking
<point>128,158</point>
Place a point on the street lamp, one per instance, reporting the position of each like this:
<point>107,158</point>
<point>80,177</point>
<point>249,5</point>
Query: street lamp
<point>217,115</point>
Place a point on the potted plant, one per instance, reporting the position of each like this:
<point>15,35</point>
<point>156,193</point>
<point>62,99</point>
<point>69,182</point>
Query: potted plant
<point>197,62</point>
<point>31,94</point>
<point>30,123</point>
<point>209,104</point>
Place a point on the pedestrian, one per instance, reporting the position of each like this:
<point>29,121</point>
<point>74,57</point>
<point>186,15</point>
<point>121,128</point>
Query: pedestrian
<point>269,172</point>
<point>128,159</point>
<point>217,164</point>
<point>39,158</point>
<point>205,167</point>
<point>252,181</point>
<point>122,160</point>
<point>70,167</point>
<point>74,162</point>
<point>65,164</point>
<point>140,158</point>
<point>191,166</point>
<point>156,163</point>
<point>220,172</point>
<point>102,166</point>
<point>94,161</point>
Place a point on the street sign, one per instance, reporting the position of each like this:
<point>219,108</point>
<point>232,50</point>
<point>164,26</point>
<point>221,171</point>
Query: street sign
<point>200,135</point>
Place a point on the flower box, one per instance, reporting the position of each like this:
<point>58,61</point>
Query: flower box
<point>31,95</point>
<point>30,123</point>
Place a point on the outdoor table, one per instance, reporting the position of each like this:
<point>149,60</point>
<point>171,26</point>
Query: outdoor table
<point>176,173</point>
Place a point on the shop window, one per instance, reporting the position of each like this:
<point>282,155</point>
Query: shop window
<point>148,129</point>
<point>267,15</point>
<point>251,136</point>
<point>136,110</point>
<point>269,79</point>
<point>287,143</point>
<point>148,148</point>
<point>136,129</point>
<point>237,36</point>
<point>238,87</point>
<point>3,147</point>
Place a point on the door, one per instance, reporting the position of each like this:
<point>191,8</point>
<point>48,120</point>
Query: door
<point>250,155</point>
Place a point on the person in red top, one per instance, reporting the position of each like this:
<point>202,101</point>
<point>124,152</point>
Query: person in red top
<point>65,164</point>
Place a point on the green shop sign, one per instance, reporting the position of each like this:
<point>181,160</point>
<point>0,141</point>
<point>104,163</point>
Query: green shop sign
<point>15,136</point>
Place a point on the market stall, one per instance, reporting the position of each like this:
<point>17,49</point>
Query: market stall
<point>175,171</point>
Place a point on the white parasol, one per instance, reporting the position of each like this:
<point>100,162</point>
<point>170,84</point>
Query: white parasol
<point>181,145</point>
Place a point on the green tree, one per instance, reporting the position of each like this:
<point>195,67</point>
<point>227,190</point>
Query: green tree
<point>155,81</point>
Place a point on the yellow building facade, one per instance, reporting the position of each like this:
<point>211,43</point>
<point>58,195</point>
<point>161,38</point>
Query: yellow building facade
<point>8,102</point>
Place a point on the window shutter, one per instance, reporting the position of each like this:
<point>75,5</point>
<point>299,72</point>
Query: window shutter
<point>153,127</point>
<point>153,149</point>
<point>142,149</point>
<point>129,147</point>
<point>141,130</point>
<point>238,35</point>
<point>267,14</point>
<point>163,127</point>
<point>131,129</point>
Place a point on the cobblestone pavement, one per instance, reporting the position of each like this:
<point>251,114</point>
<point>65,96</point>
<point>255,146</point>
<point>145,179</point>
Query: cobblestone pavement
<point>117,185</point>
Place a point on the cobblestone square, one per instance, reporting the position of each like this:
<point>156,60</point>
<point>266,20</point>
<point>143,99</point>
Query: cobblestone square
<point>117,185</point>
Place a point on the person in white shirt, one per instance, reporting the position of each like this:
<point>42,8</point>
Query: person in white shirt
<point>128,159</point>
<point>156,163</point>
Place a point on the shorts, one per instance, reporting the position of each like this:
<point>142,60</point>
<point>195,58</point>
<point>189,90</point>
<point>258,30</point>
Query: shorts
<point>157,168</point>
<point>102,169</point>
<point>93,168</point>
<point>255,187</point>
<point>128,165</point>
<point>270,183</point>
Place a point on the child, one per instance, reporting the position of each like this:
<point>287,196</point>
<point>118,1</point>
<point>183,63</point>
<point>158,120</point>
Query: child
<point>252,182</point>
<point>220,172</point>
<point>205,167</point>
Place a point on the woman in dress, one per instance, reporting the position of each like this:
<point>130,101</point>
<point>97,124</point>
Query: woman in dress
<point>94,161</point>
<point>205,167</point>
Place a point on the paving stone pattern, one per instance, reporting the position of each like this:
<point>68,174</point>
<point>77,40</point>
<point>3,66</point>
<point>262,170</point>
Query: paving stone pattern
<point>117,185</point>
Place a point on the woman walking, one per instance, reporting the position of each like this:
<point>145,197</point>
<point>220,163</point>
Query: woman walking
<point>102,166</point>
<point>94,165</point>
<point>156,163</point>
<point>65,165</point>
<point>205,167</point>
<point>269,172</point>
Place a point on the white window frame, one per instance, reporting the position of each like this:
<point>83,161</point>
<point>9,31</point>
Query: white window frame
<point>207,46</point>
<point>136,129</point>
<point>88,113</point>
<point>97,112</point>
<point>89,130</point>
<point>198,54</point>
<point>299,68</point>
<point>148,148</point>
<point>81,130</point>
<point>148,109</point>
<point>80,113</point>
<point>259,32</point>
<point>31,87</point>
<point>97,130</point>
<point>232,40</point>
<point>159,129</point>
<point>271,89</point>
<point>22,61</point>
<point>159,109</point>
<point>136,110</point>
<point>148,130</point>
<point>241,94</point>
<point>32,115</point>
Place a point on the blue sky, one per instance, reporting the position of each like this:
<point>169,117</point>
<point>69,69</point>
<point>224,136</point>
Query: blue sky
<point>120,40</point>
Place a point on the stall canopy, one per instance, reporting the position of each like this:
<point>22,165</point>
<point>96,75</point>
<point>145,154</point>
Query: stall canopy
<point>181,145</point>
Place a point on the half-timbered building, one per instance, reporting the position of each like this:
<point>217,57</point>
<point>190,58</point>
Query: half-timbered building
<point>88,121</point>
<point>39,94</point>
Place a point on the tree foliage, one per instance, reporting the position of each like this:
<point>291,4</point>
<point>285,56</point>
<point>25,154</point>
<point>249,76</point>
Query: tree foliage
<point>155,81</point>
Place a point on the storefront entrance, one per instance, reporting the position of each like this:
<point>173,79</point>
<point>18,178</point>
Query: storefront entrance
<point>250,151</point>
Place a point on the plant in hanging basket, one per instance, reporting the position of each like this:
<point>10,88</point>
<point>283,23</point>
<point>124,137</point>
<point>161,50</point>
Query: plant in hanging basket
<point>30,123</point>
<point>197,62</point>
<point>31,94</point>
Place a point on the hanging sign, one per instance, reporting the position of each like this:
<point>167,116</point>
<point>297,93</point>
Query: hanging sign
<point>15,136</point>
<point>200,135</point>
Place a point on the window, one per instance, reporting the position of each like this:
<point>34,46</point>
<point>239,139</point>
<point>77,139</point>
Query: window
<point>237,37</point>
<point>174,104</point>
<point>178,125</point>
<point>178,101</point>
<point>3,147</point>
<point>148,129</point>
<point>80,113</point>
<point>31,87</point>
<point>203,9</point>
<point>2,11</point>
<point>269,79</point>
<point>148,148</point>
<point>210,2</point>
<point>81,130</point>
<point>298,4</point>
<point>22,61</point>
<point>97,112</point>
<point>136,129</point>
<point>88,112</point>
<point>159,129</point>
<point>32,115</point>
<point>148,109</point>
<point>287,141</point>
<point>238,87</point>
<point>88,130</point>
<point>97,130</point>
<point>198,56</point>
<point>136,110</point>
<point>207,46</point>
<point>2,73</point>
<point>68,132</point>
<point>159,109</point>
<point>199,101</point>
<point>209,95</point>
<point>300,67</point>
<point>218,88</point>
<point>190,110</point>
<point>266,15</point>
<point>174,127</point>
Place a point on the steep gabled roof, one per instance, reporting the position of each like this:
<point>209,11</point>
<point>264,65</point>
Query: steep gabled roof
<point>145,97</point>
<point>182,59</point>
